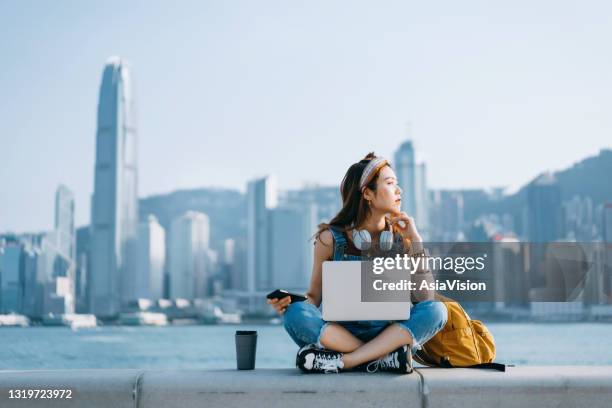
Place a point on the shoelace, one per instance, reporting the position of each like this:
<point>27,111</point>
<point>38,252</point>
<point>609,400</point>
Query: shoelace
<point>326,363</point>
<point>388,361</point>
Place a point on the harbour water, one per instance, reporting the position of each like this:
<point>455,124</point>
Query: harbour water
<point>207,347</point>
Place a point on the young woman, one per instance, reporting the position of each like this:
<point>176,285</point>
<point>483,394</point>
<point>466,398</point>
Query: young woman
<point>370,194</point>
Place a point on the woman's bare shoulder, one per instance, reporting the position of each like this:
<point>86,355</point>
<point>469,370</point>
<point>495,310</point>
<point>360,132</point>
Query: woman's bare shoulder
<point>326,238</point>
<point>324,245</point>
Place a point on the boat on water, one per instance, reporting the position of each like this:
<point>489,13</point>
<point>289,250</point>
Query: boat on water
<point>143,319</point>
<point>14,320</point>
<point>73,320</point>
<point>215,315</point>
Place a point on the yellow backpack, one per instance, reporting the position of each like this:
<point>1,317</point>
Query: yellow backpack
<point>462,342</point>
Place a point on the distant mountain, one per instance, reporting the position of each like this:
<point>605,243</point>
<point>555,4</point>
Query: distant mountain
<point>226,210</point>
<point>590,177</point>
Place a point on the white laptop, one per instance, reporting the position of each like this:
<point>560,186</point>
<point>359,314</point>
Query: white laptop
<point>341,297</point>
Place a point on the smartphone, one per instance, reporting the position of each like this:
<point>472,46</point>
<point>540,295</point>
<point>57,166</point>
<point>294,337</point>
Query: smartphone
<point>280,294</point>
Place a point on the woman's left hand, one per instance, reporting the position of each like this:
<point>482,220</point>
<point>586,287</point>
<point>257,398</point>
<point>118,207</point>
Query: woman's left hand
<point>407,226</point>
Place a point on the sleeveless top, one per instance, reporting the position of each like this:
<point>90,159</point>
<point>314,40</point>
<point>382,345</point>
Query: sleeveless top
<point>344,250</point>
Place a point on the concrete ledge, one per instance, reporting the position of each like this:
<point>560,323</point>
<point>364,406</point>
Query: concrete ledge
<point>90,388</point>
<point>553,386</point>
<point>288,388</point>
<point>518,387</point>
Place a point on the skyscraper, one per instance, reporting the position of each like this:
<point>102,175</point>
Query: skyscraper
<point>291,228</point>
<point>544,216</point>
<point>83,270</point>
<point>114,221</point>
<point>447,209</point>
<point>11,282</point>
<point>32,287</point>
<point>149,279</point>
<point>261,196</point>
<point>64,222</point>
<point>404,168</point>
<point>413,182</point>
<point>188,246</point>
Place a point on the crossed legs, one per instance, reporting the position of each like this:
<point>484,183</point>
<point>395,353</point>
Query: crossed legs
<point>305,325</point>
<point>335,337</point>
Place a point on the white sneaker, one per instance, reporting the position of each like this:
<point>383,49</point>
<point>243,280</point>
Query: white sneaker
<point>398,361</point>
<point>311,359</point>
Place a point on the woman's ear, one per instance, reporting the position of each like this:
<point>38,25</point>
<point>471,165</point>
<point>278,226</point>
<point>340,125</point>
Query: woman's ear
<point>368,194</point>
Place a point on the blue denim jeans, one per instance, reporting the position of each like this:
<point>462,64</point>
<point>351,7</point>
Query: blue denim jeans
<point>304,323</point>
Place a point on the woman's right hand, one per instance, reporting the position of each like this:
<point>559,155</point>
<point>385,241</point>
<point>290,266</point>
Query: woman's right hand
<point>280,305</point>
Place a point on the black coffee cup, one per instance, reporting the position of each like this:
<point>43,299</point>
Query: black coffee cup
<point>246,347</point>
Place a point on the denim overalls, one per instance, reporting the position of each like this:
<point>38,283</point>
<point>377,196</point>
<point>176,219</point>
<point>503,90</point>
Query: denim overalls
<point>304,323</point>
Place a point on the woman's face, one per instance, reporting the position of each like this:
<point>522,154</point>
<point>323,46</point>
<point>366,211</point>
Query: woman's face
<point>388,196</point>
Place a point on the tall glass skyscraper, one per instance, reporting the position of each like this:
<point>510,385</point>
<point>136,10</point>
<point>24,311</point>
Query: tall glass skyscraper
<point>405,166</point>
<point>261,196</point>
<point>114,214</point>
<point>413,182</point>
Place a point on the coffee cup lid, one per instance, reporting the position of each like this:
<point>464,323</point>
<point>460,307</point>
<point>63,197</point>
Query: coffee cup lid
<point>245,332</point>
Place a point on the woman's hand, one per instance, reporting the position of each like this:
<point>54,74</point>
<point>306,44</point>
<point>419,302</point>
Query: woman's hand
<point>280,305</point>
<point>406,227</point>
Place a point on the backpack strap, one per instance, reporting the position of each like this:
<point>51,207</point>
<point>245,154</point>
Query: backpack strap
<point>445,363</point>
<point>340,243</point>
<point>422,358</point>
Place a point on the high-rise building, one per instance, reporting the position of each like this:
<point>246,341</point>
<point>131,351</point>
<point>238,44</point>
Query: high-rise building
<point>32,282</point>
<point>64,276</point>
<point>114,217</point>
<point>447,217</point>
<point>544,215</point>
<point>405,165</point>
<point>261,196</point>
<point>189,237</point>
<point>413,182</point>
<point>544,222</point>
<point>56,273</point>
<point>238,267</point>
<point>83,254</point>
<point>11,280</point>
<point>23,274</point>
<point>64,221</point>
<point>291,247</point>
<point>149,279</point>
<point>229,250</point>
<point>227,265</point>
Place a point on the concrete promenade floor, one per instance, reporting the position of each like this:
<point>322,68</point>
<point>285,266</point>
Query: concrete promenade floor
<point>550,386</point>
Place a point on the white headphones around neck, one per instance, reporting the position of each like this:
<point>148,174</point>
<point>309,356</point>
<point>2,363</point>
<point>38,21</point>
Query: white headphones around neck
<point>363,240</point>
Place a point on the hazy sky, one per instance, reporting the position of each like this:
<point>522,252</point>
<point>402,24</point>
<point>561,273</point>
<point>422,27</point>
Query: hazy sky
<point>496,91</point>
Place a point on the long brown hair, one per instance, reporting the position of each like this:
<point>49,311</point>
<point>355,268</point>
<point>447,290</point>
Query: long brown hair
<point>355,209</point>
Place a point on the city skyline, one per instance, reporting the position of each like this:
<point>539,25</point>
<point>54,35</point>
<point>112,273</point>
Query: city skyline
<point>214,77</point>
<point>244,191</point>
